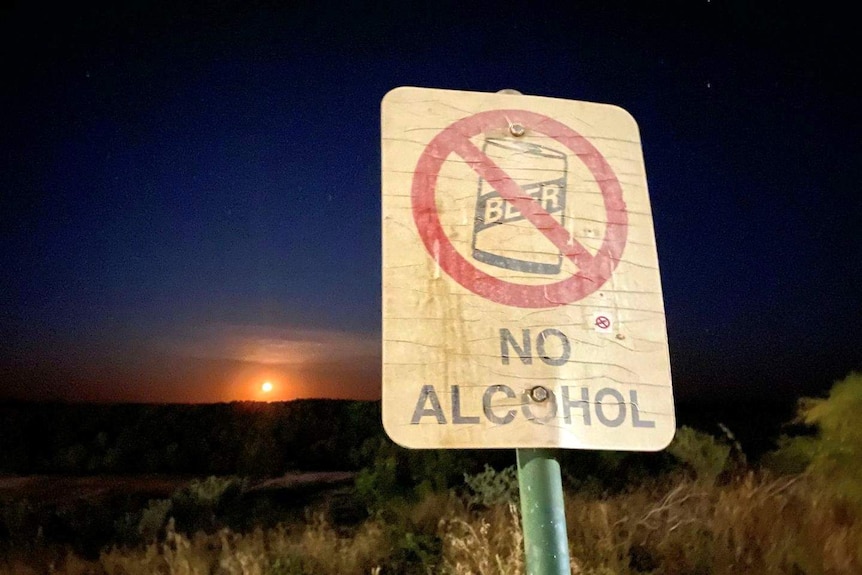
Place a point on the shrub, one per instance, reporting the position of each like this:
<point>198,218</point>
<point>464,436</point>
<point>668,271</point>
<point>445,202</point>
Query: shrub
<point>377,485</point>
<point>396,476</point>
<point>154,518</point>
<point>491,487</point>
<point>18,521</point>
<point>836,451</point>
<point>792,457</point>
<point>210,491</point>
<point>198,505</point>
<point>706,457</point>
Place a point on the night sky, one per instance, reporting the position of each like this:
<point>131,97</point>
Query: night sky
<point>190,197</point>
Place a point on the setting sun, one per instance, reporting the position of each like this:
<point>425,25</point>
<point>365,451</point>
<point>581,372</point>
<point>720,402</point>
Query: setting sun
<point>266,387</point>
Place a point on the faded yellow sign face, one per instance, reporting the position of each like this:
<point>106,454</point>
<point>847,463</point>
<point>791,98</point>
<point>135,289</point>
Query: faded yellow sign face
<point>522,301</point>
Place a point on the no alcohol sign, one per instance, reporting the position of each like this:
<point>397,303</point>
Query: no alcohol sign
<point>522,302</point>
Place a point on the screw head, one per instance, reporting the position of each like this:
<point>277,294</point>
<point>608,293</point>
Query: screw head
<point>539,393</point>
<point>517,130</point>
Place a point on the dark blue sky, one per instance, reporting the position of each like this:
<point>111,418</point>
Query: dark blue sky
<point>190,197</point>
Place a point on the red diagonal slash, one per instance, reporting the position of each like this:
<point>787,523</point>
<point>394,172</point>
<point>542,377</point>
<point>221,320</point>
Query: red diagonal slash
<point>529,207</point>
<point>454,140</point>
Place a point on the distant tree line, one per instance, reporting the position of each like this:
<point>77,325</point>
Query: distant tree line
<point>266,439</point>
<point>239,438</point>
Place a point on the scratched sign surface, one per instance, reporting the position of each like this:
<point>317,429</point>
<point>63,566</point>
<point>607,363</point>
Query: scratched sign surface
<point>522,302</point>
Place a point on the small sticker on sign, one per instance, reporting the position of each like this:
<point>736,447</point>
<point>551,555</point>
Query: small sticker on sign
<point>603,322</point>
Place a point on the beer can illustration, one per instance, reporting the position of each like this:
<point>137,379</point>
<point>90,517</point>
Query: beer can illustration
<point>502,236</point>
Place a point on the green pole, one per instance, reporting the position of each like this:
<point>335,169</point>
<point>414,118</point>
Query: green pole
<point>542,513</point>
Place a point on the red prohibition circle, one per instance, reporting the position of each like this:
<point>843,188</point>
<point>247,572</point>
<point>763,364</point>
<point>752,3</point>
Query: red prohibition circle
<point>603,322</point>
<point>593,271</point>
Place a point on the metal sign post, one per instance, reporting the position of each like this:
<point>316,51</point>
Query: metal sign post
<point>543,513</point>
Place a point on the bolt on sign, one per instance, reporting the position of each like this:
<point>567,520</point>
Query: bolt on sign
<point>522,302</point>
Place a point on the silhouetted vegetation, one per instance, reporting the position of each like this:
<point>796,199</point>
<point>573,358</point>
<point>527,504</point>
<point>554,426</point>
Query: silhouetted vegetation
<point>701,506</point>
<point>241,438</point>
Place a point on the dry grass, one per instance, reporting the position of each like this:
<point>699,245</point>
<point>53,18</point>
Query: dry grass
<point>489,543</point>
<point>755,525</point>
<point>315,548</point>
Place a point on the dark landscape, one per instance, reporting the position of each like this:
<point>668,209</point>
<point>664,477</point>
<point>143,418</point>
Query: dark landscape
<point>124,488</point>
